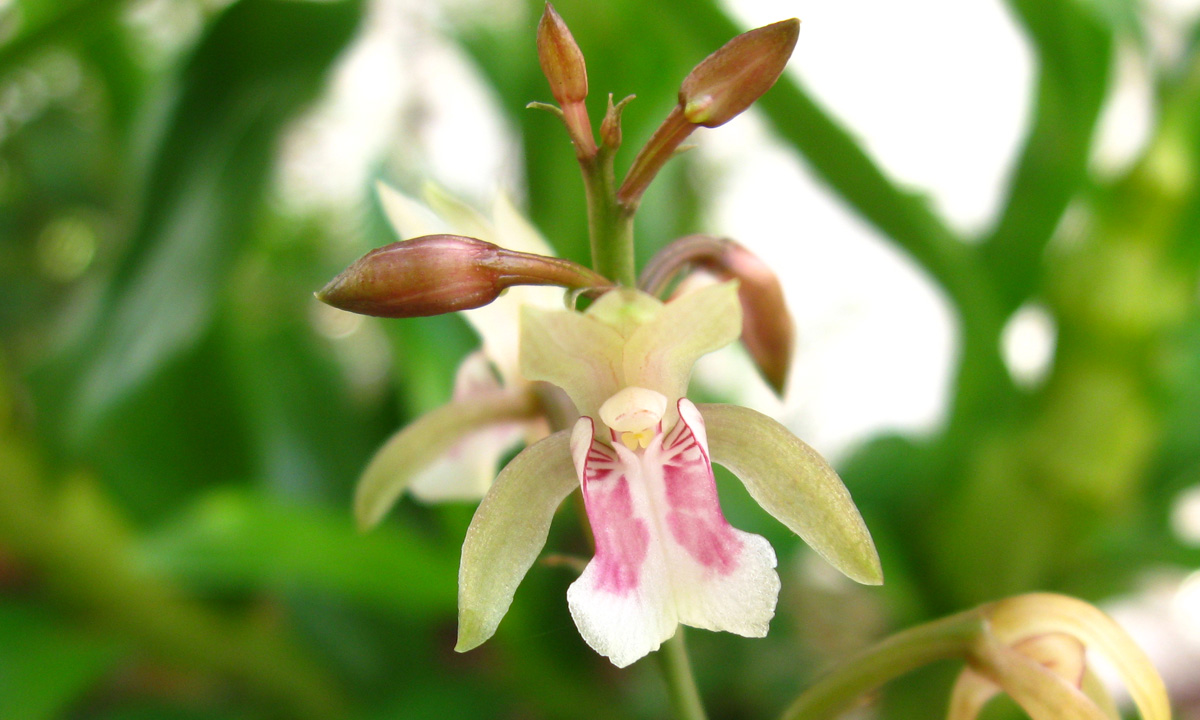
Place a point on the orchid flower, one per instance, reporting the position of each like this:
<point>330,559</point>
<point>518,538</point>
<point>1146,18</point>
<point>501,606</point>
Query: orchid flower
<point>640,452</point>
<point>642,455</point>
<point>1035,649</point>
<point>453,453</point>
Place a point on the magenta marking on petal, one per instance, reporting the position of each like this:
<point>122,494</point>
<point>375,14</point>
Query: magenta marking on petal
<point>695,518</point>
<point>622,539</point>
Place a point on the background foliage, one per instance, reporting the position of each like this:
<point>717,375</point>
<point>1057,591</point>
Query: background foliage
<point>179,438</point>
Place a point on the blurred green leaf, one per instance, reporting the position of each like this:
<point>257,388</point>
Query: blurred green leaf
<point>260,63</point>
<point>236,540</point>
<point>45,664</point>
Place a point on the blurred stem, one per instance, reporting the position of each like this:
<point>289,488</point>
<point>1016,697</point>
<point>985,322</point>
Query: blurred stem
<point>841,689</point>
<point>610,223</point>
<point>681,683</point>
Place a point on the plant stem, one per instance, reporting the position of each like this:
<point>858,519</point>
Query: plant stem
<point>681,684</point>
<point>901,653</point>
<point>610,224</point>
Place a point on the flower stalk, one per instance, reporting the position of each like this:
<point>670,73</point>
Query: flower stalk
<point>681,682</point>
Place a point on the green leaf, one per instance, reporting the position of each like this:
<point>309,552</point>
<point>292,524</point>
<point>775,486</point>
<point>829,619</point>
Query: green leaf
<point>793,482</point>
<point>507,534</point>
<point>210,178</point>
<point>238,540</point>
<point>47,665</point>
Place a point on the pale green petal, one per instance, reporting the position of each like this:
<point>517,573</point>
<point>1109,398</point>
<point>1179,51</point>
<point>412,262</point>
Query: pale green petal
<point>515,232</point>
<point>971,693</point>
<point>507,534</point>
<point>1094,688</point>
<point>1037,613</point>
<point>574,351</point>
<point>409,218</point>
<point>461,218</point>
<point>660,354</point>
<point>1038,690</point>
<point>793,482</point>
<point>420,444</point>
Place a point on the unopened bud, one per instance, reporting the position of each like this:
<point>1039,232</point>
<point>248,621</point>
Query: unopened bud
<point>561,59</point>
<point>731,79</point>
<point>438,274</point>
<point>767,328</point>
<point>610,127</point>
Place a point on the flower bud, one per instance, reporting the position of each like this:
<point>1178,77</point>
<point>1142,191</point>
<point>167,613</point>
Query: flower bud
<point>729,80</point>
<point>424,276</point>
<point>561,59</point>
<point>767,328</point>
<point>438,274</point>
<point>610,127</point>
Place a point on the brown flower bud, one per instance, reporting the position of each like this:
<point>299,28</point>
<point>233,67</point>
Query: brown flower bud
<point>438,274</point>
<point>729,80</point>
<point>767,328</point>
<point>561,59</point>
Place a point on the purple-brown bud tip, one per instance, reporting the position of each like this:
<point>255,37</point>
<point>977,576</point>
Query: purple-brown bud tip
<point>424,276</point>
<point>731,79</point>
<point>768,331</point>
<point>561,59</point>
<point>767,328</point>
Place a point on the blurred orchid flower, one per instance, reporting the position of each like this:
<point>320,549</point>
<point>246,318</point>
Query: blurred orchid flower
<point>642,454</point>
<point>453,453</point>
<point>1035,649</point>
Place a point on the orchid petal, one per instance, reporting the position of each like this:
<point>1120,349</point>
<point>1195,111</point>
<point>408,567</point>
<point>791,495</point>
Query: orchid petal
<point>660,354</point>
<point>971,693</point>
<point>1037,613</point>
<point>409,218</point>
<point>514,231</point>
<point>796,485</point>
<point>1096,691</point>
<point>724,578</point>
<point>507,533</point>
<point>1036,688</point>
<point>574,351</point>
<point>465,471</point>
<point>622,602</point>
<point>664,552</point>
<point>420,444</point>
<point>461,217</point>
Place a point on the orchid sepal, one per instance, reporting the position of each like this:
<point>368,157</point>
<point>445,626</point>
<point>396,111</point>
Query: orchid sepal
<point>421,443</point>
<point>508,532</point>
<point>628,338</point>
<point>793,483</point>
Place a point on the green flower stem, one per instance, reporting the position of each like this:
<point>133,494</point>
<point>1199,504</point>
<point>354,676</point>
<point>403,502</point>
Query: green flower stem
<point>610,224</point>
<point>681,683</point>
<point>841,689</point>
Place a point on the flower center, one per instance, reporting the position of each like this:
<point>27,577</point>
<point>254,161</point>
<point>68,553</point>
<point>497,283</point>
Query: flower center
<point>634,414</point>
